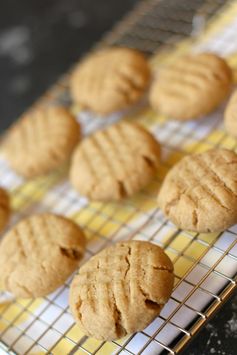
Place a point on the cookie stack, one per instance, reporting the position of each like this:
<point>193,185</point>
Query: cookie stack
<point>124,287</point>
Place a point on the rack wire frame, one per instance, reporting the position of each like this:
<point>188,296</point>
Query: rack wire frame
<point>60,194</point>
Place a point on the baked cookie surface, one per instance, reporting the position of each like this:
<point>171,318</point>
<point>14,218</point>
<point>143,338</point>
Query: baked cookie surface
<point>39,254</point>
<point>115,162</point>
<point>110,80</point>
<point>231,115</point>
<point>41,141</point>
<point>191,87</point>
<point>121,290</point>
<point>5,209</point>
<point>200,192</point>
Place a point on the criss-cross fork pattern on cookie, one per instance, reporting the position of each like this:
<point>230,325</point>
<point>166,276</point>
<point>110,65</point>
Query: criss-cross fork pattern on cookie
<point>110,80</point>
<point>41,141</point>
<point>39,254</point>
<point>200,192</point>
<point>122,289</point>
<point>192,86</point>
<point>115,162</point>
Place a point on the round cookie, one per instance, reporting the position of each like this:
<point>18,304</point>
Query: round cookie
<point>115,162</point>
<point>121,290</point>
<point>41,141</point>
<point>231,115</point>
<point>200,192</point>
<point>191,87</point>
<point>39,254</point>
<point>5,209</point>
<point>110,80</point>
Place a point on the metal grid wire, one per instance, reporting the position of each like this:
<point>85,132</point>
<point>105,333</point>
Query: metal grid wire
<point>161,22</point>
<point>205,265</point>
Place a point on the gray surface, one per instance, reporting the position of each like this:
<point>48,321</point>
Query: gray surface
<point>39,40</point>
<point>219,336</point>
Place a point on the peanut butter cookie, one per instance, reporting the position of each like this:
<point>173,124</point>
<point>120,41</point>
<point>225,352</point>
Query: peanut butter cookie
<point>231,115</point>
<point>110,80</point>
<point>39,254</point>
<point>200,192</point>
<point>121,290</point>
<point>115,162</point>
<point>41,141</point>
<point>5,209</point>
<point>191,87</point>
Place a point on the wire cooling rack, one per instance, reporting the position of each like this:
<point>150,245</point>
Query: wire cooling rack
<point>205,264</point>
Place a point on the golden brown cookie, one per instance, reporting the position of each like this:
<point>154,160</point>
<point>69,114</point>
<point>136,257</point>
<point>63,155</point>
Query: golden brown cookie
<point>5,209</point>
<point>200,192</point>
<point>121,290</point>
<point>39,254</point>
<point>231,115</point>
<point>41,141</point>
<point>115,162</point>
<point>110,80</point>
<point>191,87</point>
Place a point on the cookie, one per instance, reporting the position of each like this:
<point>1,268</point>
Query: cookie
<point>231,115</point>
<point>39,254</point>
<point>191,87</point>
<point>121,290</point>
<point>200,192</point>
<point>5,209</point>
<point>110,80</point>
<point>41,141</point>
<point>115,162</point>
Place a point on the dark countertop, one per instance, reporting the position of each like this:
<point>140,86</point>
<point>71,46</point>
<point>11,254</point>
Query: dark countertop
<point>39,40</point>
